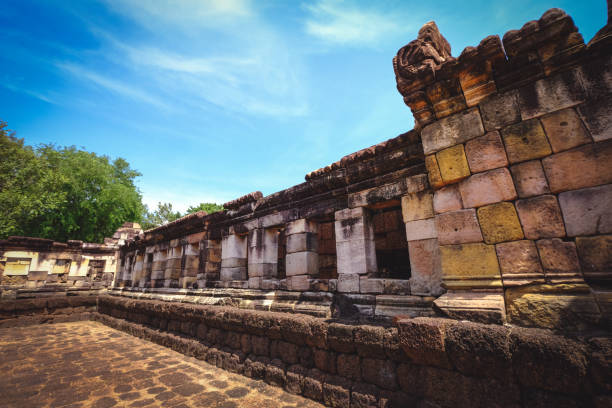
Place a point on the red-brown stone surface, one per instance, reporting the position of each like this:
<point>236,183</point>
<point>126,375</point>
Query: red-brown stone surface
<point>86,364</point>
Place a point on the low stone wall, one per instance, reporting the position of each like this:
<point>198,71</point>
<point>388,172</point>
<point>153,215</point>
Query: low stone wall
<point>420,362</point>
<point>39,310</point>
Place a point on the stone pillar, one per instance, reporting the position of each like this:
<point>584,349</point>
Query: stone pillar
<point>302,259</point>
<point>210,261</point>
<point>262,255</point>
<point>138,271</point>
<point>159,268</point>
<point>148,266</point>
<point>423,246</point>
<point>355,250</point>
<point>234,257</point>
<point>173,265</point>
<point>190,262</point>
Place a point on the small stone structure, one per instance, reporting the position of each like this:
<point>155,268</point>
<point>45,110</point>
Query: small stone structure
<point>32,266</point>
<point>495,208</point>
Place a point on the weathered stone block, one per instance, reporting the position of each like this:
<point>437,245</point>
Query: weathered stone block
<point>234,246</point>
<point>483,307</point>
<point>452,130</point>
<point>595,254</point>
<point>417,206</point>
<point>499,223</point>
<point>519,263</point>
<point>453,164</point>
<point>379,372</point>
<point>529,179</point>
<point>458,227</point>
<point>302,263</point>
<point>487,188</point>
<point>560,260</point>
<point>565,130</point>
<point>300,226</point>
<point>560,307</point>
<point>357,256</point>
<point>229,274</point>
<point>490,343</point>
<point>325,360</point>
<point>422,339</point>
<point>336,392</point>
<point>353,223</point>
<point>486,153</point>
<point>587,211</point>
<point>348,283</point>
<point>541,217</point>
<point>526,141</point>
<point>37,275</point>
<point>447,199</point>
<point>349,366</point>
<point>367,285</point>
<point>255,283</point>
<point>425,267</point>
<point>305,241</point>
<point>585,166</point>
<point>500,110</point>
<point>551,94</point>
<point>263,269</point>
<point>470,266</point>
<point>421,229</point>
<point>433,171</point>
<point>299,282</point>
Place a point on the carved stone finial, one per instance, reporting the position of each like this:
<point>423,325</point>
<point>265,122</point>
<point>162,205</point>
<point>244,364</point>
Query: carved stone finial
<point>427,52</point>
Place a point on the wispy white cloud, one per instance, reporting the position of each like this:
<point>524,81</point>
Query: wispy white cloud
<point>182,12</point>
<point>29,92</point>
<point>338,22</point>
<point>112,84</point>
<point>247,68</point>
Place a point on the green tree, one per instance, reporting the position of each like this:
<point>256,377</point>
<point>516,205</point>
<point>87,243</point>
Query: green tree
<point>208,207</point>
<point>163,214</point>
<point>63,193</point>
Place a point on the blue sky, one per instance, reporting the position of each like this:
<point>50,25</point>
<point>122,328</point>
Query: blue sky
<point>211,99</point>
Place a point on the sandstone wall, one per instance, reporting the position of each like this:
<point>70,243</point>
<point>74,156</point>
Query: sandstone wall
<point>42,267</point>
<point>502,189</point>
<point>421,362</point>
<point>518,144</point>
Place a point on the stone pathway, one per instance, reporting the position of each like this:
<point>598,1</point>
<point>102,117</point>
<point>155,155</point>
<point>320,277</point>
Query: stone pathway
<point>87,364</point>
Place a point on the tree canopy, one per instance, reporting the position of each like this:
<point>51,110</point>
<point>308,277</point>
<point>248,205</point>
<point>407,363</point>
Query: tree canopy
<point>164,213</point>
<point>64,193</point>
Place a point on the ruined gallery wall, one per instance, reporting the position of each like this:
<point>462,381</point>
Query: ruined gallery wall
<point>517,143</point>
<point>34,265</point>
<point>501,191</point>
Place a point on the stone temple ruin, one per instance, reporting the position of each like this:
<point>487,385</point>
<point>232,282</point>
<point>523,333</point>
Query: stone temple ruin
<point>420,271</point>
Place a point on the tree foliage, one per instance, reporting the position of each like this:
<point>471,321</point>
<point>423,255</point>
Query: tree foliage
<point>63,193</point>
<point>163,214</point>
<point>208,207</point>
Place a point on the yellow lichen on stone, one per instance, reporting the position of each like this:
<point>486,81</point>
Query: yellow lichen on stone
<point>433,171</point>
<point>526,141</point>
<point>499,223</point>
<point>453,164</point>
<point>470,266</point>
<point>562,307</point>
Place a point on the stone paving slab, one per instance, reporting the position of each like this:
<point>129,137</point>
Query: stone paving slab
<point>87,364</point>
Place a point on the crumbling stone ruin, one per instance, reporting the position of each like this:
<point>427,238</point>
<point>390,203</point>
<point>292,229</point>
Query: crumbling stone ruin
<point>32,266</point>
<point>421,271</point>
